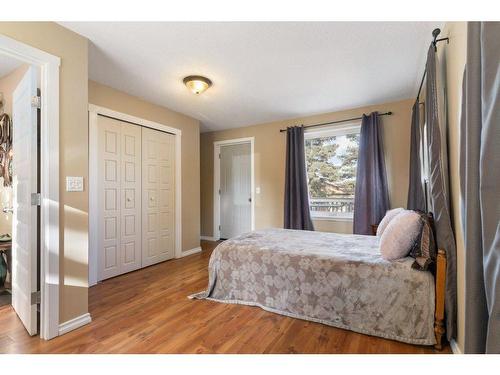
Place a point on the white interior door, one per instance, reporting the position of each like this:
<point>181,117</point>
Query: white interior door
<point>119,197</point>
<point>158,204</point>
<point>235,190</point>
<point>24,221</point>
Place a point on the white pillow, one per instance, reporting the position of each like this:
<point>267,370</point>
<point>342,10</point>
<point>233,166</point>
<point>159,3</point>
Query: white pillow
<point>389,215</point>
<point>400,234</point>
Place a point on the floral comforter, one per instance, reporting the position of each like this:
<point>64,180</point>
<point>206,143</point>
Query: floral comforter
<point>335,279</point>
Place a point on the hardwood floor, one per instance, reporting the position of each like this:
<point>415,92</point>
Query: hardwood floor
<point>147,311</point>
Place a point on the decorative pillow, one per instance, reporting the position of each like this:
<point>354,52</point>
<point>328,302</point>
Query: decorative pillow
<point>424,247</point>
<point>400,235</point>
<point>389,215</point>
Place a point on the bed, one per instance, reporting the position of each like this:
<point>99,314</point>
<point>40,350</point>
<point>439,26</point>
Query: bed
<point>335,279</point>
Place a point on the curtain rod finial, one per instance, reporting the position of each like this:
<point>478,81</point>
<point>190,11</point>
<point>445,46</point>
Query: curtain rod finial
<point>389,113</point>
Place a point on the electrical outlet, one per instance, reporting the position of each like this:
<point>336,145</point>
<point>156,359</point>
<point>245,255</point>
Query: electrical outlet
<point>74,183</point>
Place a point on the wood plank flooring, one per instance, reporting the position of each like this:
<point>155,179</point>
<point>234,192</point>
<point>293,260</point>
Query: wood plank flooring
<point>147,311</point>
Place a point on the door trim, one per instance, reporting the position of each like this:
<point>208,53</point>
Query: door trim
<point>217,145</point>
<point>94,111</point>
<point>49,176</point>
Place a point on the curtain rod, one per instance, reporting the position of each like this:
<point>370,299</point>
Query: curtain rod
<point>435,41</point>
<point>339,121</point>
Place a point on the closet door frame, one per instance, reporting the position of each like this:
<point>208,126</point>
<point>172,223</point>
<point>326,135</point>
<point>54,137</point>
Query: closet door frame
<point>94,112</point>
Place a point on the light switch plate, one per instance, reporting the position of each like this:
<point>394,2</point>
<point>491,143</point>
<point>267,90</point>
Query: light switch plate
<point>74,183</point>
<point>257,190</point>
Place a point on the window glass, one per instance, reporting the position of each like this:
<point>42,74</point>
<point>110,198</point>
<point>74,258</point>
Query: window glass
<point>331,161</point>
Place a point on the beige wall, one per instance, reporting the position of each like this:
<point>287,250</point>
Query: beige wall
<point>8,84</point>
<point>113,99</point>
<point>73,51</point>
<point>270,163</point>
<point>454,56</point>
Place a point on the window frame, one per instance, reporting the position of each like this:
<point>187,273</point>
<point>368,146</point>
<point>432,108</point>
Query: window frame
<point>329,131</point>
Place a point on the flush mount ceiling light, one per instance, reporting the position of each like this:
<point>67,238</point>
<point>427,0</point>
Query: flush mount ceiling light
<point>197,84</point>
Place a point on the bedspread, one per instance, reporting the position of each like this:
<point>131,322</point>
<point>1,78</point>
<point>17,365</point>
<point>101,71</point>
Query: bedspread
<point>335,279</point>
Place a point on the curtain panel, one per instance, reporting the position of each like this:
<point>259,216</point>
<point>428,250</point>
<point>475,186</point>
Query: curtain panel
<point>438,188</point>
<point>416,196</point>
<point>371,197</point>
<point>479,183</point>
<point>297,214</point>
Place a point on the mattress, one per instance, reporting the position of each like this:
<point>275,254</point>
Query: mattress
<point>335,279</point>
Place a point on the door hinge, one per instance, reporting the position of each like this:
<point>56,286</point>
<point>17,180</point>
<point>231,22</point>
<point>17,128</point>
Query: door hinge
<point>219,191</point>
<point>36,298</point>
<point>219,227</point>
<point>36,199</point>
<point>219,156</point>
<point>36,102</point>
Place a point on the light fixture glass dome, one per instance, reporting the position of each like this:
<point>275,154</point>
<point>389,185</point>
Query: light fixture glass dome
<point>197,84</point>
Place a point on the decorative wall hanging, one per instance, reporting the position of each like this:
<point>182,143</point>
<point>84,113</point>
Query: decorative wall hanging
<point>5,147</point>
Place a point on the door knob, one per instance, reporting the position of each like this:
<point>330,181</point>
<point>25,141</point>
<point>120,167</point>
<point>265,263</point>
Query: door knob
<point>8,210</point>
<point>250,199</point>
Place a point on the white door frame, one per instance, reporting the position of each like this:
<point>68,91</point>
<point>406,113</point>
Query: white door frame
<point>49,177</point>
<point>94,111</point>
<point>217,145</point>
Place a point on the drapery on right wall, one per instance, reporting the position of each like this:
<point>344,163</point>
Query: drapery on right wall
<point>416,195</point>
<point>438,186</point>
<point>480,187</point>
<point>433,144</point>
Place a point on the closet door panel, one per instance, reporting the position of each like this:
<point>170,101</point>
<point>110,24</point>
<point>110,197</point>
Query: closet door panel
<point>119,197</point>
<point>130,210</point>
<point>166,196</point>
<point>109,198</point>
<point>158,151</point>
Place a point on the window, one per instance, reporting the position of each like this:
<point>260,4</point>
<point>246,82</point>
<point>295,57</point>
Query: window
<point>331,161</point>
<point>424,163</point>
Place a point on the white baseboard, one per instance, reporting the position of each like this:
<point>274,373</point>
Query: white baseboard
<point>191,252</point>
<point>455,348</point>
<point>74,323</point>
<point>208,238</point>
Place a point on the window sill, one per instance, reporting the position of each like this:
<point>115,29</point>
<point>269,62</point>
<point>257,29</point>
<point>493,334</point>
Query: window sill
<point>326,218</point>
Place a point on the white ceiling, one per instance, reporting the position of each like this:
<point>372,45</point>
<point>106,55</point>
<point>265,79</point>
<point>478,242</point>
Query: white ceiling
<point>8,64</point>
<point>261,71</point>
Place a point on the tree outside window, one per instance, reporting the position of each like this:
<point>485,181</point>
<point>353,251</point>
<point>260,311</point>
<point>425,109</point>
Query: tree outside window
<point>331,161</point>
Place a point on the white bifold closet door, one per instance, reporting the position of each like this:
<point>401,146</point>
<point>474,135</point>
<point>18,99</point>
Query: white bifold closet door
<point>119,197</point>
<point>158,211</point>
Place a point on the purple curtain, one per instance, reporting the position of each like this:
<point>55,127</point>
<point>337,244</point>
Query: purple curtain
<point>438,186</point>
<point>297,214</point>
<point>416,196</point>
<point>371,198</point>
<point>479,185</point>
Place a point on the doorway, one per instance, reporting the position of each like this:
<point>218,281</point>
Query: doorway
<point>19,186</point>
<point>233,187</point>
<point>30,165</point>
